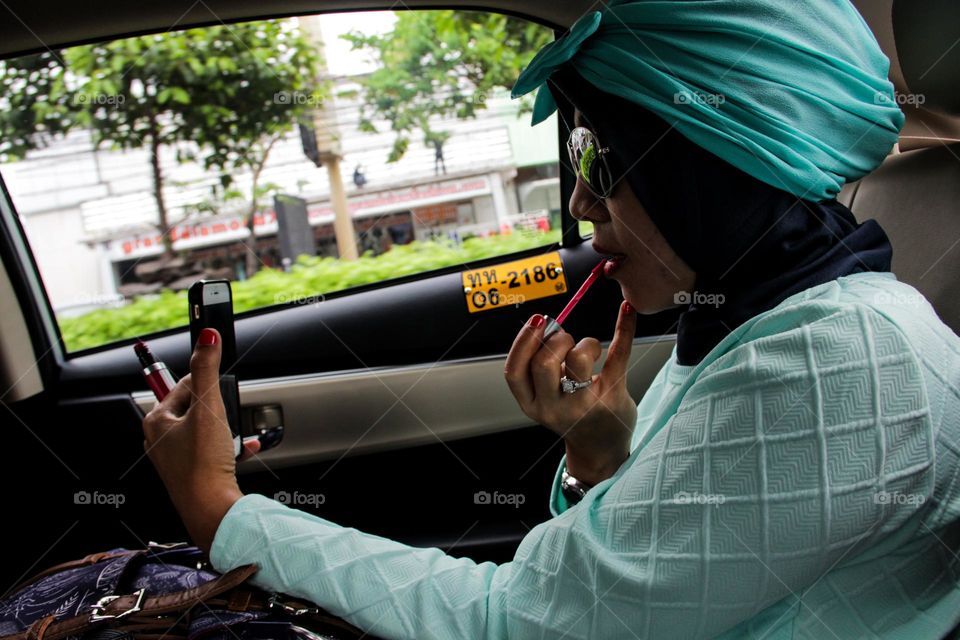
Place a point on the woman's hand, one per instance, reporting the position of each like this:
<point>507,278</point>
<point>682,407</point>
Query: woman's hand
<point>596,423</point>
<point>189,442</point>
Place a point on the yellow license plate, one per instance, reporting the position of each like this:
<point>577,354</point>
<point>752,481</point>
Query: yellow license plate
<point>513,283</point>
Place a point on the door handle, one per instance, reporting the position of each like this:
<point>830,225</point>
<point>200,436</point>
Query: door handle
<point>266,424</point>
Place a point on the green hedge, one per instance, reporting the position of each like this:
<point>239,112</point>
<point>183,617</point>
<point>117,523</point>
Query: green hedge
<point>309,277</point>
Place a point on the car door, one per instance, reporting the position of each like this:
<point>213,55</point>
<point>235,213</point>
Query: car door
<point>396,417</point>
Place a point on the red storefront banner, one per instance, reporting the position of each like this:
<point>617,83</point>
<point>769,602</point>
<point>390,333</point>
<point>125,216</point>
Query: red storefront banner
<point>232,228</point>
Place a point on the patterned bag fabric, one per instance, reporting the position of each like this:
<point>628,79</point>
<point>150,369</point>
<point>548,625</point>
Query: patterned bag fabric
<point>164,591</point>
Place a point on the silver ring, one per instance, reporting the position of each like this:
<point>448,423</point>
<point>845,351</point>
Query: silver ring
<point>572,386</point>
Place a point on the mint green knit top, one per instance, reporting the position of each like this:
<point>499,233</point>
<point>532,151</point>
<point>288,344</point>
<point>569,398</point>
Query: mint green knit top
<point>800,482</point>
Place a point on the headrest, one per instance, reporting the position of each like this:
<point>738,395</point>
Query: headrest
<point>927,36</point>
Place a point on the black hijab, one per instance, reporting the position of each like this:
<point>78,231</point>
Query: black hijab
<point>751,243</point>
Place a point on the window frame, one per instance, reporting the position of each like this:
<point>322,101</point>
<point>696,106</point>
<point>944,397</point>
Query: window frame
<point>32,299</point>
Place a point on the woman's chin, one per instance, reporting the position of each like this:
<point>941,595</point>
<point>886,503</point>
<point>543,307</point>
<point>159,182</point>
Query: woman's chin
<point>636,300</point>
<point>643,304</point>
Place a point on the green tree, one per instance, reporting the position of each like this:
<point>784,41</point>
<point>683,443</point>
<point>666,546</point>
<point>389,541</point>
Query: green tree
<point>27,120</point>
<point>225,89</point>
<point>437,64</point>
<point>222,96</point>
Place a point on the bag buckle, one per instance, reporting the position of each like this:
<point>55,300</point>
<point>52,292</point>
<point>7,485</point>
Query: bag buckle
<point>274,603</point>
<point>104,602</point>
<point>166,545</point>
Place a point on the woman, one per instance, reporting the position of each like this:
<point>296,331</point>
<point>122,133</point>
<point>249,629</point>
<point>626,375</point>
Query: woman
<point>790,471</point>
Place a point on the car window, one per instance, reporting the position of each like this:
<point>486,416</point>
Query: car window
<point>296,157</point>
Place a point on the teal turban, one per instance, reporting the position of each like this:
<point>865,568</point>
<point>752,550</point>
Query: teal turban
<point>794,94</point>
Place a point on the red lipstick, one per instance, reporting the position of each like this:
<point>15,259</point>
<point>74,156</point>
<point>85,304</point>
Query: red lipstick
<point>158,376</point>
<point>555,325</point>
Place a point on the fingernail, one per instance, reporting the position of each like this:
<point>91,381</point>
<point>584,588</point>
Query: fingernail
<point>536,321</point>
<point>627,308</point>
<point>207,337</point>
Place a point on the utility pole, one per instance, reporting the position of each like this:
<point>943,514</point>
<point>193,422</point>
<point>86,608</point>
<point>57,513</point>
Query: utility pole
<point>325,127</point>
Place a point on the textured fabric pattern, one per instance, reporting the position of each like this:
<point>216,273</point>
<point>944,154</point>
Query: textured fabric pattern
<point>798,98</point>
<point>800,482</point>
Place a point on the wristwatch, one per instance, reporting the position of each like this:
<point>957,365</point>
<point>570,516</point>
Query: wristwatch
<point>573,490</point>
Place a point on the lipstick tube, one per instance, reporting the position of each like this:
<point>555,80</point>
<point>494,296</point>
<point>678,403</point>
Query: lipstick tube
<point>156,373</point>
<point>159,379</point>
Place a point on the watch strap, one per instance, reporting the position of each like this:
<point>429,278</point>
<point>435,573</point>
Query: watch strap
<point>573,489</point>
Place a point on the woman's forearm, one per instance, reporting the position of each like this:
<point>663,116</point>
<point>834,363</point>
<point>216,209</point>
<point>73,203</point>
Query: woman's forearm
<point>386,588</point>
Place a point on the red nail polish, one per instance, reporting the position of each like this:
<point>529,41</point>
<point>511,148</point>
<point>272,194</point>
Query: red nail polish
<point>207,337</point>
<point>627,308</point>
<point>536,321</point>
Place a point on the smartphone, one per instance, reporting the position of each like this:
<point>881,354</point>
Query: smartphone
<point>211,306</point>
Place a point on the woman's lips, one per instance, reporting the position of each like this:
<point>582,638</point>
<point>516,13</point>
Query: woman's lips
<point>614,260</point>
<point>613,264</point>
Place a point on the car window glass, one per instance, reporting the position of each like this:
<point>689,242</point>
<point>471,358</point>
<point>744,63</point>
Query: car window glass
<point>296,157</point>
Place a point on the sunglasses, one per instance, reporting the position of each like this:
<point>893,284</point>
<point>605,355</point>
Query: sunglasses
<point>589,161</point>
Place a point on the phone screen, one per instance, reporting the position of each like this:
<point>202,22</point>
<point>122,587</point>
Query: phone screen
<point>211,305</point>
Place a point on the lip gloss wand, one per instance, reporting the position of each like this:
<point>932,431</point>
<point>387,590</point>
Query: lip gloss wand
<point>555,325</point>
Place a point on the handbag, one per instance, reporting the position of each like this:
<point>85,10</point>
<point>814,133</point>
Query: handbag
<point>164,591</point>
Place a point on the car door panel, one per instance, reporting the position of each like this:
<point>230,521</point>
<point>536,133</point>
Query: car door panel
<point>79,482</point>
<point>331,415</point>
